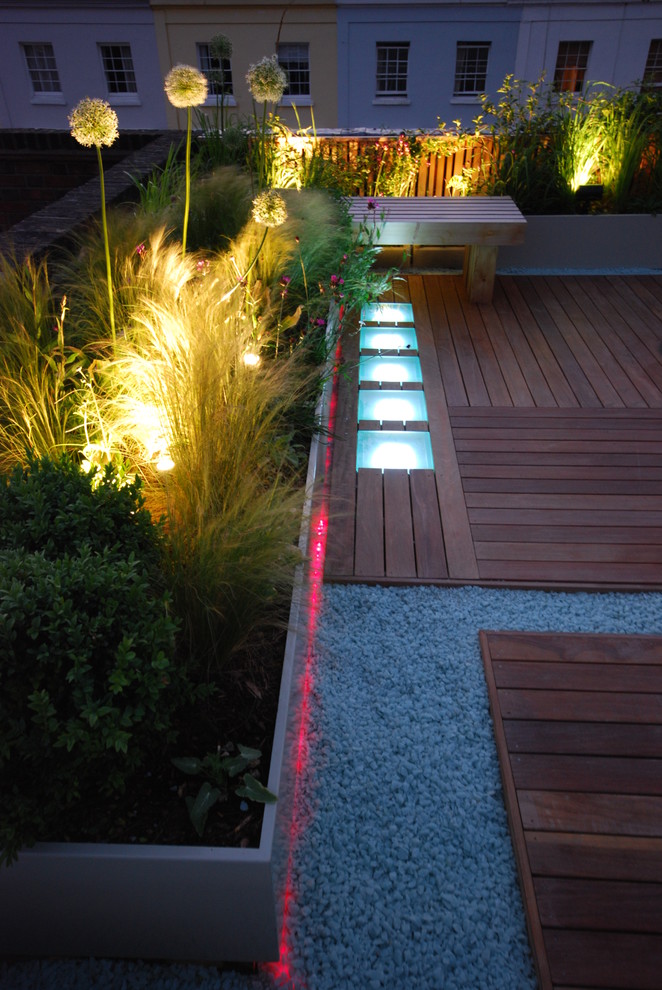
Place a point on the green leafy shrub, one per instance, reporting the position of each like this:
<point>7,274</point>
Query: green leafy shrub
<point>87,676</point>
<point>51,506</point>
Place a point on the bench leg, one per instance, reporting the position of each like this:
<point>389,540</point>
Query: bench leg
<point>479,271</point>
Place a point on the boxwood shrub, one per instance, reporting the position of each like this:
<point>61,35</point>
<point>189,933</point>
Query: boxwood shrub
<point>88,678</point>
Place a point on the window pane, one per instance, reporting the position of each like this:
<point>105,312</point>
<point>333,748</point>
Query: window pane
<point>118,67</point>
<point>471,67</point>
<point>293,57</point>
<point>653,70</point>
<point>571,64</point>
<point>218,73</point>
<point>40,59</point>
<point>392,62</point>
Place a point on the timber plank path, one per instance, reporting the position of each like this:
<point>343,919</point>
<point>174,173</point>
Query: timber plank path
<point>578,727</point>
<point>545,422</point>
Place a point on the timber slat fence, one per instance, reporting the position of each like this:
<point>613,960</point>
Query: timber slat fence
<point>441,160</point>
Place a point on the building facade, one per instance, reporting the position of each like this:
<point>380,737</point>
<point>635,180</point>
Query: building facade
<point>409,65</point>
<point>302,33</point>
<point>52,54</point>
<point>352,64</point>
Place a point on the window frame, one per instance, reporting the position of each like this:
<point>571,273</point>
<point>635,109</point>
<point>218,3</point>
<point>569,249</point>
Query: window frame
<point>300,98</point>
<point>225,65</point>
<point>119,96</point>
<point>389,63</point>
<point>571,71</point>
<point>653,68</point>
<point>463,74</point>
<point>54,95</point>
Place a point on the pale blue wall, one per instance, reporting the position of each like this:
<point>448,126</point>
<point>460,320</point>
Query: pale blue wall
<point>75,30</point>
<point>620,33</point>
<point>524,41</point>
<point>433,32</point>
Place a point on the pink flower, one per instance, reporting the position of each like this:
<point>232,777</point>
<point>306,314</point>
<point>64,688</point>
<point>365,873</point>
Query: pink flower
<point>140,250</point>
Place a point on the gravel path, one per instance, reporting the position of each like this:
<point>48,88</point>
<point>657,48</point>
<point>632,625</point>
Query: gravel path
<point>404,875</point>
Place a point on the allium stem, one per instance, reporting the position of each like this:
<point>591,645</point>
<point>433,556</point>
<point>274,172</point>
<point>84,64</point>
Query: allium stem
<point>187,199</point>
<point>242,279</point>
<point>106,245</point>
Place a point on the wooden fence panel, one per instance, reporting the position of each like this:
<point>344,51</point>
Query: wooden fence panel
<point>435,170</point>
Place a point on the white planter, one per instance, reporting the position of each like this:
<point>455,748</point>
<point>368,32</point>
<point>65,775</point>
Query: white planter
<point>172,902</point>
<point>587,243</point>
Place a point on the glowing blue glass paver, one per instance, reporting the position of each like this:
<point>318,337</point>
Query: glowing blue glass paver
<point>390,313</point>
<point>390,368</point>
<point>394,449</point>
<point>388,338</point>
<point>389,404</point>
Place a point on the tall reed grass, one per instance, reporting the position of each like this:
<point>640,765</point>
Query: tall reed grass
<point>220,445</point>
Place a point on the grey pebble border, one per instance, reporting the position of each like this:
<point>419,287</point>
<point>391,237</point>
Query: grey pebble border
<point>404,875</point>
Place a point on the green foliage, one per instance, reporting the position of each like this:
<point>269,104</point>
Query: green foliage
<point>546,144</point>
<point>219,769</point>
<point>39,373</point>
<point>215,148</point>
<point>26,298</point>
<point>94,667</point>
<point>52,507</point>
<point>220,207</point>
<point>390,168</point>
<point>164,184</point>
<point>631,129</point>
<point>526,125</point>
<point>87,679</point>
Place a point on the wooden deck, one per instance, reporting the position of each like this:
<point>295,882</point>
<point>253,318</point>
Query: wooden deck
<point>545,420</point>
<point>578,725</point>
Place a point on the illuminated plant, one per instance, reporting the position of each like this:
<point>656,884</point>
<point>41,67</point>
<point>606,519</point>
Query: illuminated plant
<point>267,82</point>
<point>94,122</point>
<point>186,87</point>
<point>207,434</point>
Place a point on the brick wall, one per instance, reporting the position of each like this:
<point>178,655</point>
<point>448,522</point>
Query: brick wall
<point>44,226</point>
<point>38,167</point>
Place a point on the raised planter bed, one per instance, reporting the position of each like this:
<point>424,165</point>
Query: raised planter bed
<point>174,902</point>
<point>587,243</point>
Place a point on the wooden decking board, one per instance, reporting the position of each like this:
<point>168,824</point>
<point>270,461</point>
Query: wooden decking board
<point>554,494</point>
<point>617,377</point>
<point>561,343</point>
<point>623,343</point>
<point>534,377</point>
<point>460,555</point>
<point>449,366</point>
<point>600,384</point>
<point>583,795</point>
<point>398,526</point>
<point>543,345</point>
<point>369,553</point>
<point>428,534</point>
<point>464,344</point>
<point>638,317</point>
<point>490,368</point>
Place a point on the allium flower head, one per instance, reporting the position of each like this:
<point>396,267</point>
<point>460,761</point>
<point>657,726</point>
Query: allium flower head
<point>186,86</point>
<point>269,208</point>
<point>93,122</point>
<point>220,47</point>
<point>266,80</point>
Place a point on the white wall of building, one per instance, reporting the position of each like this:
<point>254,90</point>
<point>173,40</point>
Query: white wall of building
<point>620,36</point>
<point>75,30</point>
<point>524,39</point>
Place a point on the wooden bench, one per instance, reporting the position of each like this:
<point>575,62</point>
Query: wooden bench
<point>478,223</point>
